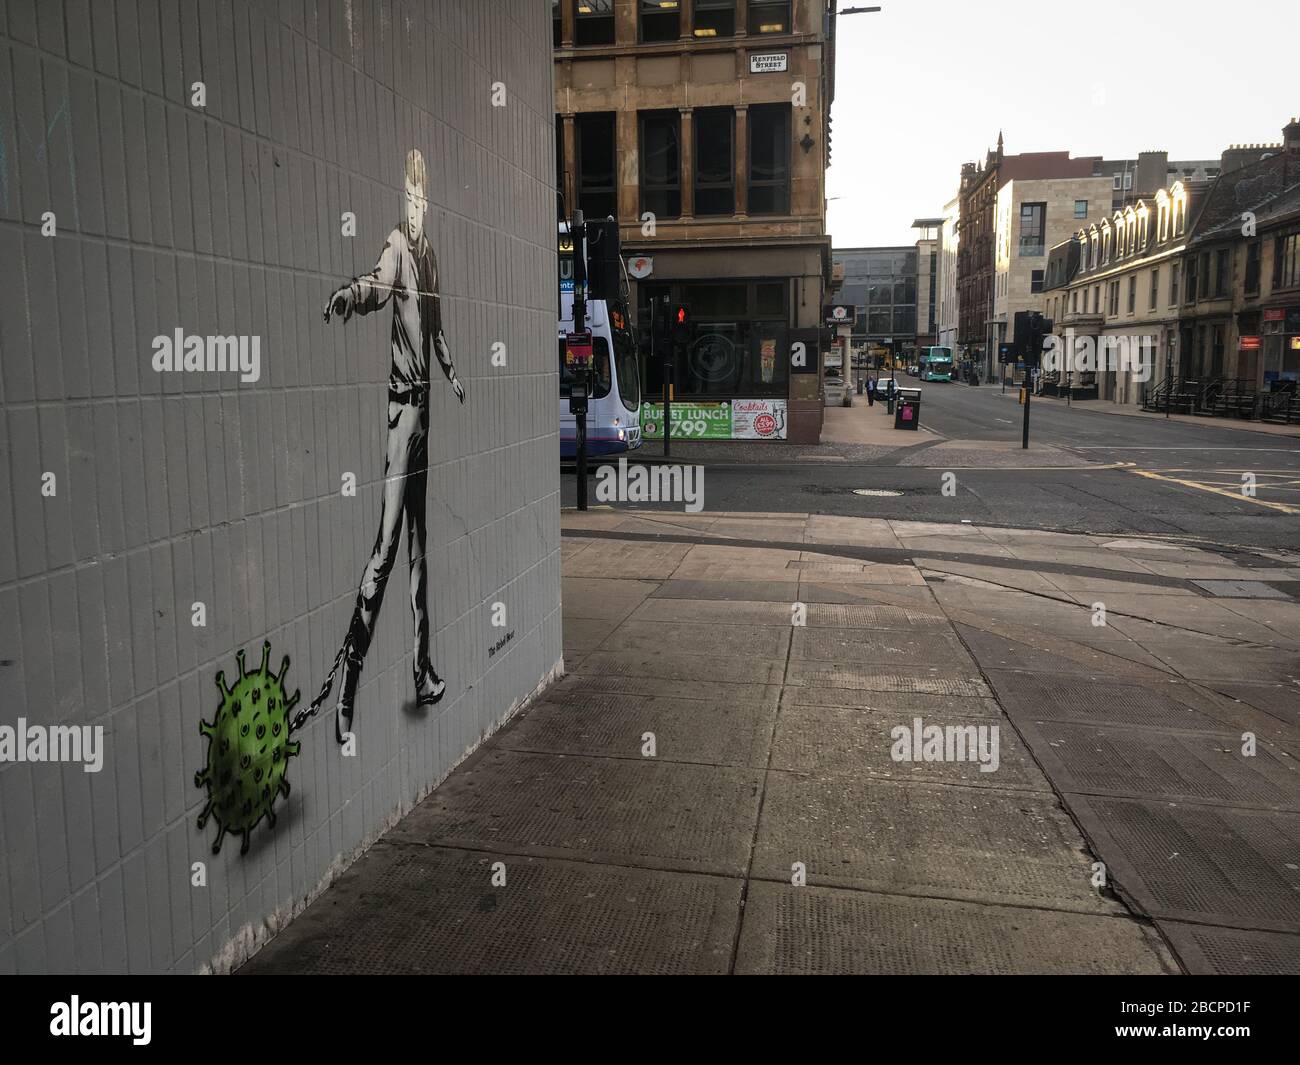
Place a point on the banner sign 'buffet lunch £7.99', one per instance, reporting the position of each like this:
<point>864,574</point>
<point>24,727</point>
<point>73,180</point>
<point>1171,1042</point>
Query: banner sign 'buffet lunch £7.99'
<point>737,419</point>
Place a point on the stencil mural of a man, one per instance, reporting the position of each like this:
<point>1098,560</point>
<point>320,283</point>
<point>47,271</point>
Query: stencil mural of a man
<point>406,276</point>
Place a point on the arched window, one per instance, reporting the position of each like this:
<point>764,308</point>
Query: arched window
<point>1162,215</point>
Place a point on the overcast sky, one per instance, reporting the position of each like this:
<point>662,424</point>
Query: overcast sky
<point>924,85</point>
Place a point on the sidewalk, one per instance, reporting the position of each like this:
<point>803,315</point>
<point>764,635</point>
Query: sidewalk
<point>1105,406</point>
<point>651,811</point>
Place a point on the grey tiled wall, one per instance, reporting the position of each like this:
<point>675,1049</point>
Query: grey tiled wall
<point>173,489</point>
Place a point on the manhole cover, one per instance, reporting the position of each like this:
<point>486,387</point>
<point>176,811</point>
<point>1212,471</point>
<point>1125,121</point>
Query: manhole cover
<point>875,492</point>
<point>1241,589</point>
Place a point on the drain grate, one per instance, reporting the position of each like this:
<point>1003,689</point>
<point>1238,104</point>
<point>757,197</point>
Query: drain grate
<point>1241,590</point>
<point>875,492</point>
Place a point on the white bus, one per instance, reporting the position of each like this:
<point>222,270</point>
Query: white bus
<point>614,409</point>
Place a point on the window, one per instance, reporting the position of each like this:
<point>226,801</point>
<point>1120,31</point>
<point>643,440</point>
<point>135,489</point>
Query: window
<point>1203,269</point>
<point>1222,268</point>
<point>715,164</point>
<point>1033,220</point>
<point>715,18</point>
<point>661,180</point>
<point>767,16</point>
<point>1286,261</point>
<point>557,23</point>
<point>1128,180</point>
<point>658,21</point>
<point>1112,299</point>
<point>593,22</point>
<point>1132,293</point>
<point>1036,281</point>
<point>1080,208</point>
<point>1252,267</point>
<point>1118,179</point>
<point>1189,288</point>
<point>1173,284</point>
<point>769,158</point>
<point>1155,288</point>
<point>1074,301</point>
<point>1096,299</point>
<point>594,167</point>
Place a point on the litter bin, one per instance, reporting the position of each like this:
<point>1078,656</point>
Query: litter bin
<point>907,411</point>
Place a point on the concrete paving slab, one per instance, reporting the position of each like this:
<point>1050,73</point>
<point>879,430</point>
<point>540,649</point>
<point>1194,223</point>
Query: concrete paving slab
<point>608,558</point>
<point>584,634</point>
<point>1052,654</point>
<point>666,687</point>
<point>1203,864</point>
<point>830,615</point>
<point>1208,658</point>
<point>899,647</point>
<point>1282,701</point>
<point>978,844</point>
<point>1207,950</point>
<point>814,930</point>
<point>646,814</point>
<point>1179,766</point>
<point>734,639</point>
<point>726,729</point>
<point>831,740</point>
<point>609,599</point>
<point>813,590</point>
<point>671,611</point>
<point>928,680</point>
<point>906,705</point>
<point>417,910</point>
<point>1209,620</point>
<point>1172,704</point>
<point>708,669</point>
<point>783,591</point>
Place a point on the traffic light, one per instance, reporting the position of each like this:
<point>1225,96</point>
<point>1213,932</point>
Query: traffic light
<point>681,323</point>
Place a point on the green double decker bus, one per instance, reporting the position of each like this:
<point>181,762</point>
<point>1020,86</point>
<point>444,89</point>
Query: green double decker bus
<point>935,364</point>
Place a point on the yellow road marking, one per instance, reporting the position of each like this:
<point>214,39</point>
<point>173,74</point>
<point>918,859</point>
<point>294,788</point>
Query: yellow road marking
<point>1283,507</point>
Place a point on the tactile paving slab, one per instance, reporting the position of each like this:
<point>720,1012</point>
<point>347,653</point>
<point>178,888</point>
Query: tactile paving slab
<point>1207,950</point>
<point>831,615</point>
<point>925,680</point>
<point>724,730</point>
<point>839,740</point>
<point>812,930</point>
<point>1174,765</point>
<point>1236,868</point>
<point>410,910</point>
<point>1035,697</point>
<point>898,646</point>
<point>926,839</point>
<point>663,815</point>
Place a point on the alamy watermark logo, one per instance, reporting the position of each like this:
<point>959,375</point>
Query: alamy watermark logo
<point>1134,355</point>
<point>651,484</point>
<point>133,1019</point>
<point>53,743</point>
<point>212,354</point>
<point>920,742</point>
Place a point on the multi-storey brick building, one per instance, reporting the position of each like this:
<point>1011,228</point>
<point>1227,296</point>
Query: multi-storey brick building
<point>704,128</point>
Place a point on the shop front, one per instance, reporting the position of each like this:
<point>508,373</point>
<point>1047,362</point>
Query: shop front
<point>750,368</point>
<point>1280,344</point>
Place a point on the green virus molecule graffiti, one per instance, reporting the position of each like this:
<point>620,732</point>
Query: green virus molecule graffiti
<point>248,751</point>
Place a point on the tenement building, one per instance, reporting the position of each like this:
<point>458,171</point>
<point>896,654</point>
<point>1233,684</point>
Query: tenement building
<point>703,127</point>
<point>1190,299</point>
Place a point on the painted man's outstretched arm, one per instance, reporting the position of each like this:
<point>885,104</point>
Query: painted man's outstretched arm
<point>371,290</point>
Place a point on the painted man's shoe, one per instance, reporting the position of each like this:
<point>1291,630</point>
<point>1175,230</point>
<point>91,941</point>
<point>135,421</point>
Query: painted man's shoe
<point>429,687</point>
